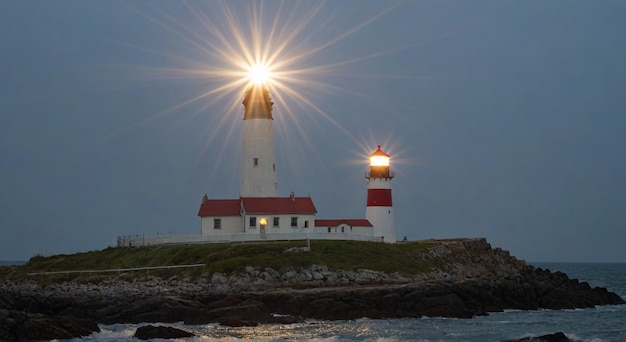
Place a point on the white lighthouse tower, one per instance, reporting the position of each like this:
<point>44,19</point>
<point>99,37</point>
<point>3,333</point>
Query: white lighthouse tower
<point>258,174</point>
<point>379,206</point>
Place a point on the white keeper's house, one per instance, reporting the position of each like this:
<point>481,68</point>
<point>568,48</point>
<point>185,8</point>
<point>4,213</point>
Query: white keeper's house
<point>260,214</point>
<point>256,215</point>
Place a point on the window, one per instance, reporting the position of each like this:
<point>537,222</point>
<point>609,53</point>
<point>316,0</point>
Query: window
<point>329,229</point>
<point>294,221</point>
<point>306,224</point>
<point>255,161</point>
<point>343,229</point>
<point>252,222</point>
<point>274,167</point>
<point>276,222</point>
<point>217,223</point>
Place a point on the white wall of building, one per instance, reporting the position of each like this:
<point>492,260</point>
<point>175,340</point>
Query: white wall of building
<point>258,173</point>
<point>229,225</point>
<point>304,221</point>
<point>346,229</point>
<point>235,224</point>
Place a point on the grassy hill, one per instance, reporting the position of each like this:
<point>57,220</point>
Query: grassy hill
<point>231,257</point>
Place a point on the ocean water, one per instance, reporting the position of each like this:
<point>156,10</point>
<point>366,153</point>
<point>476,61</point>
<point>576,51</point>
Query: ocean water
<point>606,323</point>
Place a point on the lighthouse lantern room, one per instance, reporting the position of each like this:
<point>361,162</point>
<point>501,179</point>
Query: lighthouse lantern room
<point>379,203</point>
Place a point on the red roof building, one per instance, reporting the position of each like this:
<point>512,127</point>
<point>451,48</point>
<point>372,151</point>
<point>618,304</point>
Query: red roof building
<point>278,205</point>
<point>349,222</point>
<point>360,227</point>
<point>256,205</point>
<point>250,215</point>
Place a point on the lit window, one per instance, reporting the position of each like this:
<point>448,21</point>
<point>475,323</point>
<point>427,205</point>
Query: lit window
<point>217,223</point>
<point>294,221</point>
<point>255,161</point>
<point>252,222</point>
<point>276,222</point>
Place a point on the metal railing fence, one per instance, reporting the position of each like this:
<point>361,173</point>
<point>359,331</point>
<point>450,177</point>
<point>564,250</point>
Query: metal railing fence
<point>164,239</point>
<point>118,270</point>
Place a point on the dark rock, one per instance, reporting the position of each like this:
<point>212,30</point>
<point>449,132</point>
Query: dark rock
<point>556,337</point>
<point>18,325</point>
<point>247,310</point>
<point>167,309</point>
<point>231,322</point>
<point>150,331</point>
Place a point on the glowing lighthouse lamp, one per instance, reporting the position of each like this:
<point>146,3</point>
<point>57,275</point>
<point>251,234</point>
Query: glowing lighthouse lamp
<point>379,158</point>
<point>379,205</point>
<point>259,73</point>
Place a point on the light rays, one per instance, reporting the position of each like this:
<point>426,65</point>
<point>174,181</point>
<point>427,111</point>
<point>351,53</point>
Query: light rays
<point>227,47</point>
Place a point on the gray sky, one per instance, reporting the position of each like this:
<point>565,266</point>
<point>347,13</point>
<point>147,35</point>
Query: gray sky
<point>504,119</point>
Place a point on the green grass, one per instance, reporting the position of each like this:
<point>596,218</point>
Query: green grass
<point>232,257</point>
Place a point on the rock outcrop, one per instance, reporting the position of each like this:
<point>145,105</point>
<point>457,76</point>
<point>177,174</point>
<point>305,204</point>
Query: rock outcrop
<point>24,326</point>
<point>468,278</point>
<point>556,337</point>
<point>149,332</point>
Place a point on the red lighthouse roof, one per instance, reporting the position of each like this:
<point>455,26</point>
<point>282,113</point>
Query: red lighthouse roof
<point>379,152</point>
<point>379,159</point>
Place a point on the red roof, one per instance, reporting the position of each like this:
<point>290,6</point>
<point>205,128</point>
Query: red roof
<point>349,222</point>
<point>256,205</point>
<point>379,152</point>
<point>278,205</point>
<point>220,207</point>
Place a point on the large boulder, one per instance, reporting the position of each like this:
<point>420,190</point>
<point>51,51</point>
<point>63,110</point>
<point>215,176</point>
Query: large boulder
<point>149,332</point>
<point>556,337</point>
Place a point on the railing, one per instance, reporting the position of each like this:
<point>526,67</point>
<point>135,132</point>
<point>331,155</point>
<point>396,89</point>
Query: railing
<point>119,270</point>
<point>389,174</point>
<point>164,239</point>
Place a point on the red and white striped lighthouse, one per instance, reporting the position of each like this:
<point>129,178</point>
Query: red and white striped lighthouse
<point>379,205</point>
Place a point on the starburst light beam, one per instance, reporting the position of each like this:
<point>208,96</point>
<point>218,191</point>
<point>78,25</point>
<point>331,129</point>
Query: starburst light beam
<point>274,44</point>
<point>259,73</point>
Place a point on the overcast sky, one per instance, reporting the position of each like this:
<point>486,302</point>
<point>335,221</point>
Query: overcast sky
<point>504,119</point>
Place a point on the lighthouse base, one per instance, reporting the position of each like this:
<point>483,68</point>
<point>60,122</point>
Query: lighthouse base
<point>381,219</point>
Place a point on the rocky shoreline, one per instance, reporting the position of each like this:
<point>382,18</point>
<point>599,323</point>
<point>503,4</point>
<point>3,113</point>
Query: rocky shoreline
<point>471,279</point>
